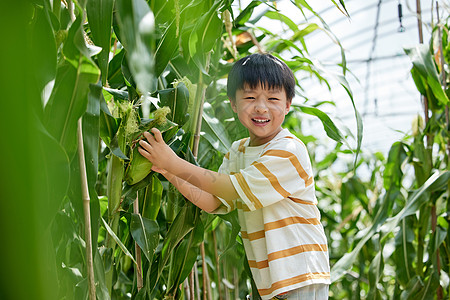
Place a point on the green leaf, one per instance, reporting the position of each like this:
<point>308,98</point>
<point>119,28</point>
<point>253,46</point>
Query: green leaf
<point>44,49</point>
<point>99,276</point>
<point>206,32</point>
<point>375,272</point>
<point>405,252</point>
<point>181,226</point>
<point>136,23</point>
<point>331,129</point>
<point>91,137</point>
<point>343,81</point>
<point>423,62</point>
<point>437,182</point>
<point>166,49</point>
<point>413,287</point>
<point>54,177</point>
<point>152,198</point>
<point>146,234</point>
<point>185,255</point>
<point>118,241</point>
<point>215,131</point>
<point>275,15</point>
<point>247,12</point>
<point>99,13</point>
<point>178,101</point>
<point>68,100</point>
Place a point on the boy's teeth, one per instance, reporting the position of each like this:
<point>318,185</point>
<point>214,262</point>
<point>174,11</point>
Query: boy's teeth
<point>261,120</point>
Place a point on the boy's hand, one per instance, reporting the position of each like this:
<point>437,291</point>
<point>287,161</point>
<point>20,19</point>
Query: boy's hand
<point>157,151</point>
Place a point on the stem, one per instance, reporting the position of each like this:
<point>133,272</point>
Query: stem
<point>140,281</point>
<point>424,99</point>
<point>438,260</point>
<point>444,81</point>
<point>201,93</point>
<point>87,212</point>
<point>419,21</point>
<point>236,283</point>
<point>197,282</point>
<point>444,85</point>
<point>206,295</point>
<point>219,279</point>
<point>198,111</point>
<point>197,121</point>
<point>114,192</point>
<point>191,286</point>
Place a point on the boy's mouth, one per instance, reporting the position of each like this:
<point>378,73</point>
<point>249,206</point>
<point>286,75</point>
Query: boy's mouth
<point>260,121</point>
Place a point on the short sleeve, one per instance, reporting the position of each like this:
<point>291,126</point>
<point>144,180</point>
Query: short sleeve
<point>227,206</point>
<point>282,170</point>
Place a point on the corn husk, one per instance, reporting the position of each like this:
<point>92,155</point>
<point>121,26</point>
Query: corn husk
<point>139,167</point>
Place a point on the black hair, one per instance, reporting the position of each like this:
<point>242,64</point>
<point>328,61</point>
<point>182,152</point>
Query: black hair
<point>260,68</point>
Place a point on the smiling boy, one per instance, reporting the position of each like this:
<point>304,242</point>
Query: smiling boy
<point>267,178</point>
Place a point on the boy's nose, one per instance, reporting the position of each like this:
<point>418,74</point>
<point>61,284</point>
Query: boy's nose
<point>260,106</point>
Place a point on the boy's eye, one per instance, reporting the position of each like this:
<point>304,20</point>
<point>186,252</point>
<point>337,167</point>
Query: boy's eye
<point>273,98</point>
<point>249,97</point>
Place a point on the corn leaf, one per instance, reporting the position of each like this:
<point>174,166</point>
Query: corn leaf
<point>136,23</point>
<point>206,32</point>
<point>178,100</point>
<point>282,18</point>
<point>185,255</point>
<point>181,226</point>
<point>436,182</point>
<point>44,49</point>
<point>146,234</point>
<point>332,131</point>
<point>99,13</point>
<point>423,62</point>
<point>68,100</point>
<point>118,241</point>
<point>152,198</point>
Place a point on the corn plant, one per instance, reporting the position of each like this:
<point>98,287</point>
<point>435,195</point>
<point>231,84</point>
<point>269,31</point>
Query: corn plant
<point>105,71</point>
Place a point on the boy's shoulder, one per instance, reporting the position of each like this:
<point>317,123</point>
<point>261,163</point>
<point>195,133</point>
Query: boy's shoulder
<point>285,140</point>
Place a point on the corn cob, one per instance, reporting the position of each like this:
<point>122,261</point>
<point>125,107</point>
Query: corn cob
<point>139,167</point>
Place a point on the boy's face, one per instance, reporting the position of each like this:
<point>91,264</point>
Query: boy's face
<point>261,111</point>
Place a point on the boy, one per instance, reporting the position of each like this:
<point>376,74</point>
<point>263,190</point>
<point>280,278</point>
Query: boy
<point>267,177</point>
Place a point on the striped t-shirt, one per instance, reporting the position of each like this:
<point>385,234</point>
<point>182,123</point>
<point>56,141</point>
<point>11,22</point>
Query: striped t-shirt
<point>283,238</point>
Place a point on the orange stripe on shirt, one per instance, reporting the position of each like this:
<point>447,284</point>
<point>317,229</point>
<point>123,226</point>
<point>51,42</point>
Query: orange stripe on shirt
<point>258,264</point>
<point>294,161</point>
<point>300,201</point>
<point>243,206</point>
<point>227,156</point>
<point>272,179</point>
<point>290,252</point>
<point>296,250</point>
<point>241,147</point>
<point>294,280</point>
<point>278,224</point>
<point>244,186</point>
<point>290,221</point>
<point>254,235</point>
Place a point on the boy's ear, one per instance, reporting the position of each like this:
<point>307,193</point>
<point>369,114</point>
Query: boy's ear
<point>233,105</point>
<point>288,106</point>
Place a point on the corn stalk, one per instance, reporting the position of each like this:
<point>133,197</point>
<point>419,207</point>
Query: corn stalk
<point>87,213</point>
<point>140,280</point>
<point>114,192</point>
<point>197,122</point>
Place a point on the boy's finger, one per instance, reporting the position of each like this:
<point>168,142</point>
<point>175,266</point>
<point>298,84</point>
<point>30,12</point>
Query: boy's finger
<point>157,134</point>
<point>144,153</point>
<point>150,138</point>
<point>144,145</point>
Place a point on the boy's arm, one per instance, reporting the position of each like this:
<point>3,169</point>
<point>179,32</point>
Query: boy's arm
<point>200,198</point>
<point>162,156</point>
